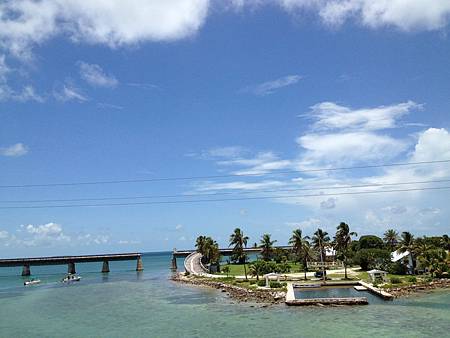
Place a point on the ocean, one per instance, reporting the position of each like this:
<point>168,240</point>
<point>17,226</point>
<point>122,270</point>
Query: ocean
<point>125,303</point>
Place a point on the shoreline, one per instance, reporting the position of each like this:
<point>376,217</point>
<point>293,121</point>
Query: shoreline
<point>269,297</point>
<point>416,289</point>
<point>238,293</point>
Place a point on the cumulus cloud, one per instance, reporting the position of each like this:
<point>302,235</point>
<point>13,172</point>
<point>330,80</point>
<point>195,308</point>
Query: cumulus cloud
<point>48,235</point>
<point>270,87</point>
<point>15,150</point>
<point>95,75</point>
<point>27,23</point>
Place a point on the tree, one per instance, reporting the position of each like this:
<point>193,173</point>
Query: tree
<point>307,255</point>
<point>226,269</point>
<point>257,268</point>
<point>407,244</point>
<point>200,244</point>
<point>343,240</point>
<point>267,247</point>
<point>391,239</point>
<point>370,242</point>
<point>239,242</point>
<point>320,240</point>
<point>445,242</point>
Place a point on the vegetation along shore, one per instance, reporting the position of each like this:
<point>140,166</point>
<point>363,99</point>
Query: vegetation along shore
<point>399,264</point>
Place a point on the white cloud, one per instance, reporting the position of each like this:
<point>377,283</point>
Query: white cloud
<point>330,203</point>
<point>348,148</point>
<point>329,116</point>
<point>68,92</point>
<point>26,23</point>
<point>95,75</point>
<point>178,226</point>
<point>404,15</point>
<point>15,150</point>
<point>239,185</point>
<point>261,163</point>
<point>270,87</point>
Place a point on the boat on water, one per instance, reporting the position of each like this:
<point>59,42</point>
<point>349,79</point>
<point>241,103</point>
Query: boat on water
<point>71,278</point>
<point>32,282</point>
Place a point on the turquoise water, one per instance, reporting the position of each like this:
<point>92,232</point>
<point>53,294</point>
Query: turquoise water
<point>130,304</point>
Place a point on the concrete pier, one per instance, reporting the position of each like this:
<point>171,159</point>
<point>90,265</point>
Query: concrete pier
<point>174,263</point>
<point>105,268</point>
<point>139,265</point>
<point>71,268</point>
<point>26,263</point>
<point>26,270</point>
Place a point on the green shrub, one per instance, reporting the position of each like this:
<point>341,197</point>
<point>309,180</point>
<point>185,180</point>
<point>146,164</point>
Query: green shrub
<point>261,283</point>
<point>396,280</point>
<point>412,279</point>
<point>275,285</point>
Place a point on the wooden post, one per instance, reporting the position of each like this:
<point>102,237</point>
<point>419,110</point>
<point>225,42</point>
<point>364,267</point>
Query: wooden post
<point>139,265</point>
<point>105,268</point>
<point>26,270</point>
<point>174,263</point>
<point>71,268</point>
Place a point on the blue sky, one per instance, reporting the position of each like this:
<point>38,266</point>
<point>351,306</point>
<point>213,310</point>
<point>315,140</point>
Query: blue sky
<point>107,91</point>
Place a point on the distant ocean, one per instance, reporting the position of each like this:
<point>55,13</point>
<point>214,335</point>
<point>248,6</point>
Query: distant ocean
<point>125,303</point>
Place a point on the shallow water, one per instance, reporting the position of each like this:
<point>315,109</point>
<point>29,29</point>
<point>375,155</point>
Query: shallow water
<point>125,303</point>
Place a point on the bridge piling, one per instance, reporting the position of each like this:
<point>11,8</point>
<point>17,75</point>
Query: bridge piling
<point>71,268</point>
<point>139,265</point>
<point>174,263</point>
<point>105,268</point>
<point>26,270</point>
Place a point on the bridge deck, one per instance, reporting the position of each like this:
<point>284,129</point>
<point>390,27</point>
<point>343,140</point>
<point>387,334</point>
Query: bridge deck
<point>57,260</point>
<point>223,252</point>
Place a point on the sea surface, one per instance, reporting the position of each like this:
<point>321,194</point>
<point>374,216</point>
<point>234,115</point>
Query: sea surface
<point>125,303</point>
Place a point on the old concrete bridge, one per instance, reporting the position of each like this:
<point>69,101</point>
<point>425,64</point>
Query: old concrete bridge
<point>26,263</point>
<point>224,252</point>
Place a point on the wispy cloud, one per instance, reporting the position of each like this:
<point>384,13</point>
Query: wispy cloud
<point>15,150</point>
<point>272,86</point>
<point>96,76</point>
<point>329,116</point>
<point>142,85</point>
<point>68,92</point>
<point>103,105</point>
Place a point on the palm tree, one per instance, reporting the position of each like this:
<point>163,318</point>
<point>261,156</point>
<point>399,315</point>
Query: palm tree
<point>407,244</point>
<point>239,241</point>
<point>319,240</point>
<point>342,240</point>
<point>200,244</point>
<point>226,269</point>
<point>391,238</point>
<point>257,268</point>
<point>267,247</point>
<point>307,255</point>
<point>297,241</point>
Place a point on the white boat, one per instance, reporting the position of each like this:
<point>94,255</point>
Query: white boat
<point>32,282</point>
<point>71,278</point>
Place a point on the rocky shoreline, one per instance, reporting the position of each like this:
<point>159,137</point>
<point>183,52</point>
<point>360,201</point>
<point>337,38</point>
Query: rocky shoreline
<point>238,293</point>
<point>409,290</point>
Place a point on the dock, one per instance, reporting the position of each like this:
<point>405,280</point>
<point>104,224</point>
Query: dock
<point>328,301</point>
<point>26,263</point>
<point>377,291</point>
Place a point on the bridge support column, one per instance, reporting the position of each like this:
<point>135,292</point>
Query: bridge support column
<point>105,267</point>
<point>71,268</point>
<point>139,265</point>
<point>174,263</point>
<point>26,270</point>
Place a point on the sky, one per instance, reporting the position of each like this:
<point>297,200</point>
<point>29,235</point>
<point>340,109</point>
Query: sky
<point>251,102</point>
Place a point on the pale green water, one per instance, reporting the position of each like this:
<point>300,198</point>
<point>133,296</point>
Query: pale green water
<point>127,304</point>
